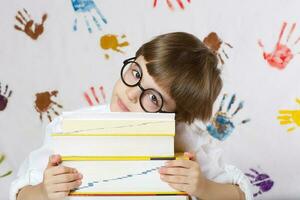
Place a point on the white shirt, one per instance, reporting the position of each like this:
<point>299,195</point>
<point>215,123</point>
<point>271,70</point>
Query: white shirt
<point>191,138</point>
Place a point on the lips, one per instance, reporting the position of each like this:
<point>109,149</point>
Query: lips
<point>122,105</point>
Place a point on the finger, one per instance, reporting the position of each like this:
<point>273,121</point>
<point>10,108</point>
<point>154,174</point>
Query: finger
<point>180,187</point>
<point>175,179</point>
<point>66,178</point>
<point>190,155</point>
<point>54,160</point>
<point>62,170</point>
<point>174,171</point>
<point>58,195</point>
<point>65,187</point>
<point>179,163</point>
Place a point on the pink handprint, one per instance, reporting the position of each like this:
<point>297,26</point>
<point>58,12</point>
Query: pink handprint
<point>170,4</point>
<point>282,53</point>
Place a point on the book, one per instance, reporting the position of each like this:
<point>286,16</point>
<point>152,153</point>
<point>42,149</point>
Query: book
<point>90,134</point>
<point>121,177</point>
<point>152,197</point>
<point>118,123</point>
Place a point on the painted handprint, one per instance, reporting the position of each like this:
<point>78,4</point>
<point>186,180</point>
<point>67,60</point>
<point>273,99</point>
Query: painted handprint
<point>282,54</point>
<point>170,4</point>
<point>87,9</point>
<point>110,41</point>
<point>4,97</point>
<point>44,104</point>
<point>33,30</point>
<point>260,180</point>
<point>213,42</point>
<point>97,100</point>
<point>2,158</point>
<point>290,117</point>
<point>222,125</point>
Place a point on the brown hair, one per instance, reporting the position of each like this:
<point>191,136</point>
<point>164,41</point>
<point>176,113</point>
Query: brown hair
<point>185,67</point>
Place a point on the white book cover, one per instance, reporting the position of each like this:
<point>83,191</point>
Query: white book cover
<point>121,177</point>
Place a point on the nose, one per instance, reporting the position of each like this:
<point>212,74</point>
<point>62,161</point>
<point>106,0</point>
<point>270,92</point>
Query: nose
<point>133,94</point>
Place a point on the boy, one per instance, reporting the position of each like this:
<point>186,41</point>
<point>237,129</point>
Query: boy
<point>174,72</point>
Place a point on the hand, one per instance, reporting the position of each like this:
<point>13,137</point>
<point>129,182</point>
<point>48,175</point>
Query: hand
<point>88,8</point>
<point>59,180</point>
<point>184,175</point>
<point>222,124</point>
<point>33,30</point>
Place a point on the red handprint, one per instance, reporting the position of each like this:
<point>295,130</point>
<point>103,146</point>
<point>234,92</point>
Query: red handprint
<point>170,5</point>
<point>282,54</point>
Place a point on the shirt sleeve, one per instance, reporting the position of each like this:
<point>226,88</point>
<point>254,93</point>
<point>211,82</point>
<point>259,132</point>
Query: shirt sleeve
<point>32,169</point>
<point>209,156</point>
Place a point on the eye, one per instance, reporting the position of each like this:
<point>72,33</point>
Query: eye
<point>136,74</point>
<point>153,99</point>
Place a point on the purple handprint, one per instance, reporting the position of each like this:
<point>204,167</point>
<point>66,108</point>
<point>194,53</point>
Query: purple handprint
<point>262,181</point>
<point>87,7</point>
<point>222,126</point>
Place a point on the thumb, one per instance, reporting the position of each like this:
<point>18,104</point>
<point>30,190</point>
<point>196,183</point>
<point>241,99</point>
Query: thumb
<point>190,155</point>
<point>54,160</point>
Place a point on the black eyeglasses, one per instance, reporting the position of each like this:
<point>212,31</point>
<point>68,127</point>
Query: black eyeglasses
<point>150,99</point>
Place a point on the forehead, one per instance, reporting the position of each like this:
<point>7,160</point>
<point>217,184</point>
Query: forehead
<point>149,82</point>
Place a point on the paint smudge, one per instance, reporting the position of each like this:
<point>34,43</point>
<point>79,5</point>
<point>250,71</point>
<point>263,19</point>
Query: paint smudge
<point>290,117</point>
<point>282,54</point>
<point>213,42</point>
<point>110,41</point>
<point>4,97</point>
<point>261,180</point>
<point>170,4</point>
<point>45,105</point>
<point>222,125</point>
<point>99,98</point>
<point>27,25</point>
<point>88,10</point>
<point>2,158</point>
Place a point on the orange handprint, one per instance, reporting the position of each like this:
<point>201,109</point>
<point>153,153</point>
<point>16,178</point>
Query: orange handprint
<point>111,41</point>
<point>33,30</point>
<point>290,117</point>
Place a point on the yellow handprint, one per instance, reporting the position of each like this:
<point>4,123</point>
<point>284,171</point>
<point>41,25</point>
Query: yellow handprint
<point>290,117</point>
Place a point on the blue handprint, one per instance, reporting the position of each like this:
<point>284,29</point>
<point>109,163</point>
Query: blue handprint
<point>222,126</point>
<point>86,7</point>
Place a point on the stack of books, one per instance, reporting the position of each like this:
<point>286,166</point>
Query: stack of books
<point>119,154</point>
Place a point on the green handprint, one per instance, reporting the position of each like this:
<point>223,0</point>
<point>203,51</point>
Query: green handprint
<point>2,157</point>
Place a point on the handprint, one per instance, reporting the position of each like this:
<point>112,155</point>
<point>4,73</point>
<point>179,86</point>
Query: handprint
<point>45,105</point>
<point>110,41</point>
<point>4,97</point>
<point>33,30</point>
<point>87,7</point>
<point>222,126</point>
<point>282,53</point>
<point>261,180</point>
<point>288,117</point>
<point>100,99</point>
<point>170,5</point>
<point>2,157</point>
<point>213,42</point>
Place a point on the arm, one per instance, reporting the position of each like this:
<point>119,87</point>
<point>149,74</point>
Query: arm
<point>213,190</point>
<point>31,193</point>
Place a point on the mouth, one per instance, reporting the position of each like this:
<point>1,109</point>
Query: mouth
<point>122,105</point>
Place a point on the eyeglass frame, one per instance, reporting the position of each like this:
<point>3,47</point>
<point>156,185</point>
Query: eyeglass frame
<point>132,60</point>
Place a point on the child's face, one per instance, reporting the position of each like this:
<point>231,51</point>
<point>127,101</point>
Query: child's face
<point>127,99</point>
